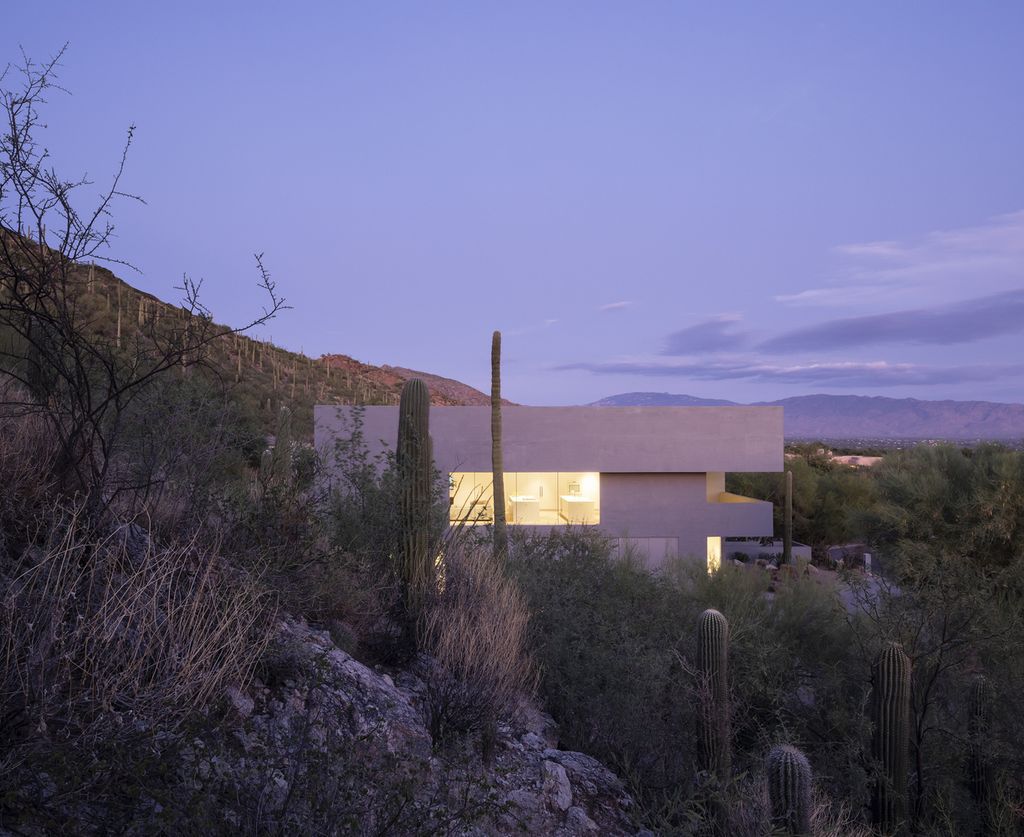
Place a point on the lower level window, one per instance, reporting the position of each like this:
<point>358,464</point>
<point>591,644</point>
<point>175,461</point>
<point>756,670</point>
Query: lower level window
<point>538,498</point>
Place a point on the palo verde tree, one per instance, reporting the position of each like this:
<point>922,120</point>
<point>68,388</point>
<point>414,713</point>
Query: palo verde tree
<point>61,356</point>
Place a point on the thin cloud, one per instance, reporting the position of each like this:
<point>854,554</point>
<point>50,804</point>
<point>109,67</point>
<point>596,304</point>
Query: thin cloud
<point>837,297</point>
<point>990,256</point>
<point>850,374</point>
<point>715,335</point>
<point>615,306</point>
<point>964,322</point>
<point>516,332</point>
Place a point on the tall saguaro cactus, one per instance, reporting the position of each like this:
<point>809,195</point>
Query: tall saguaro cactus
<point>789,790</point>
<point>979,763</point>
<point>713,663</point>
<point>497,466</point>
<point>891,715</point>
<point>277,462</point>
<point>415,470</point>
<point>787,522</point>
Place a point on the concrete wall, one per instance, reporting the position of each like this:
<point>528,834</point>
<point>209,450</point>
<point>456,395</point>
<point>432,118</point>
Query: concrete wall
<point>676,506</point>
<point>605,439</point>
<point>662,468</point>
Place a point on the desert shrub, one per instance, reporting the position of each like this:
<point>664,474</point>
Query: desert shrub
<point>93,627</point>
<point>827,498</point>
<point>363,534</point>
<point>475,631</point>
<point>182,467</point>
<point>26,450</point>
<point>111,645</point>
<point>605,634</point>
<point>616,646</point>
<point>945,500</point>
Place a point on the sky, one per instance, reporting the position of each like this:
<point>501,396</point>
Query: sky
<point>742,201</point>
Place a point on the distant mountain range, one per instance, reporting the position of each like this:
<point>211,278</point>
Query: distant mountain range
<point>864,417</point>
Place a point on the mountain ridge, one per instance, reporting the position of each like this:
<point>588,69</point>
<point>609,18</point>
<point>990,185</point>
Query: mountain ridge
<point>828,416</point>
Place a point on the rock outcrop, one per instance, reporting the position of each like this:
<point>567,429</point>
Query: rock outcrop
<point>326,743</point>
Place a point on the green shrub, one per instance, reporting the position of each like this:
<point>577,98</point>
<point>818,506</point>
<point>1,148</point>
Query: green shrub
<point>617,652</point>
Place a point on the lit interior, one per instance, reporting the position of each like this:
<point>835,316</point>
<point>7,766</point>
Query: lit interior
<point>714,554</point>
<point>537,498</point>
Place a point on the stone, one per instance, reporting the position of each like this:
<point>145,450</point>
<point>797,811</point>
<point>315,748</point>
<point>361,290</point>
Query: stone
<point>577,820</point>
<point>242,703</point>
<point>555,784</point>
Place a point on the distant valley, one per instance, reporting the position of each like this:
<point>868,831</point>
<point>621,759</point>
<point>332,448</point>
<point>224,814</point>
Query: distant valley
<point>865,417</point>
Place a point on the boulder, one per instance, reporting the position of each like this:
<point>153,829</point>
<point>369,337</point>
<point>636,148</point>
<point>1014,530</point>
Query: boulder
<point>556,786</point>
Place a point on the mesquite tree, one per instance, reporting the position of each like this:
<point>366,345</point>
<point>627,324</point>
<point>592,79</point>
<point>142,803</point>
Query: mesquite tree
<point>58,358</point>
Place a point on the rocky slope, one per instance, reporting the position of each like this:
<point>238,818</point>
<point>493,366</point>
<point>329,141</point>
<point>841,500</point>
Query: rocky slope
<point>259,376</point>
<point>443,391</point>
<point>321,744</point>
<point>330,744</point>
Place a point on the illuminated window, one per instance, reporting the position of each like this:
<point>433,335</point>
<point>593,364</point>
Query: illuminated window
<point>714,554</point>
<point>532,498</point>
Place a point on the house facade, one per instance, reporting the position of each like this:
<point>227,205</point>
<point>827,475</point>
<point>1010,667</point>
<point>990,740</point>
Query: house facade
<point>651,477</point>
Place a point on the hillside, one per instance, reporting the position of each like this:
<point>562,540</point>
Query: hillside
<point>443,391</point>
<point>259,376</point>
<point>861,416</point>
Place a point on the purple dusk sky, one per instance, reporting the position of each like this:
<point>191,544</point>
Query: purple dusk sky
<point>742,202</point>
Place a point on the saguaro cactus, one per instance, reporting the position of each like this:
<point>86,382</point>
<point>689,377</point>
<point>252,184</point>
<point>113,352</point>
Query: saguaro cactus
<point>415,470</point>
<point>713,662</point>
<point>891,716</point>
<point>497,466</point>
<point>276,463</point>
<point>789,790</point>
<point>787,522</point>
<point>979,764</point>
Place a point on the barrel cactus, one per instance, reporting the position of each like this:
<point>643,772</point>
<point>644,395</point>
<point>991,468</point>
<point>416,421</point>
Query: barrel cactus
<point>789,790</point>
<point>497,466</point>
<point>713,663</point>
<point>891,716</point>
<point>415,472</point>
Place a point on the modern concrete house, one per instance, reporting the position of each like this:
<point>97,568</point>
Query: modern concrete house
<point>652,477</point>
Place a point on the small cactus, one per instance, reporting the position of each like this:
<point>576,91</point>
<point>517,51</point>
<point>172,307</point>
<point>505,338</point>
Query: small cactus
<point>713,662</point>
<point>415,471</point>
<point>789,790</point>
<point>891,716</point>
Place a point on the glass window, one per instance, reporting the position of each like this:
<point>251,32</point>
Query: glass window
<point>532,498</point>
